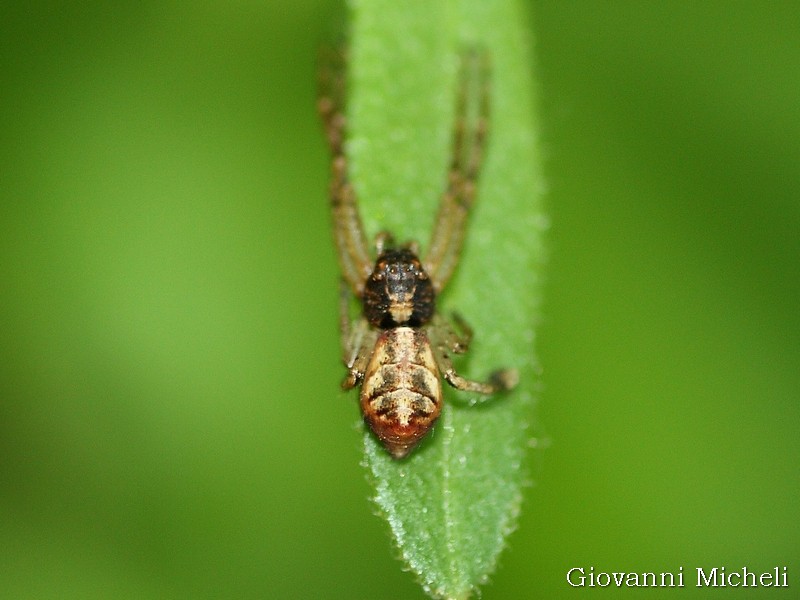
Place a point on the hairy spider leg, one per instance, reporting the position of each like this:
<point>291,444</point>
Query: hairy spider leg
<point>349,236</point>
<point>468,144</point>
<point>445,341</point>
<point>358,339</point>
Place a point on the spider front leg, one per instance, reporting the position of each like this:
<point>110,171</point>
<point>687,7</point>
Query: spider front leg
<point>348,232</point>
<point>468,144</point>
<point>446,341</point>
<point>357,339</point>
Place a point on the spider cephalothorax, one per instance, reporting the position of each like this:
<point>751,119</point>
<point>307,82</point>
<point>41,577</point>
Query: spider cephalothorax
<point>399,291</point>
<point>399,348</point>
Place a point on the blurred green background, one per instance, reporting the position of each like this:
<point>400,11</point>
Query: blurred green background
<point>170,420</point>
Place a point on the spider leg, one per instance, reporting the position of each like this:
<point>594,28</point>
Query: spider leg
<point>461,343</point>
<point>445,340</point>
<point>383,241</point>
<point>357,338</point>
<point>469,140</point>
<point>351,241</point>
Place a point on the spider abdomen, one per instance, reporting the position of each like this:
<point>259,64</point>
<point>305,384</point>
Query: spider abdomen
<point>401,396</point>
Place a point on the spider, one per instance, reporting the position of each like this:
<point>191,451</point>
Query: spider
<point>399,347</point>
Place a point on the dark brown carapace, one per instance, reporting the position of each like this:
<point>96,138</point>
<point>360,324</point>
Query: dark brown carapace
<point>398,292</point>
<point>399,347</point>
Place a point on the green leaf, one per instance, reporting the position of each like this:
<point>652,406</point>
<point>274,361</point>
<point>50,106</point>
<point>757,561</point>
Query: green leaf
<point>453,502</point>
